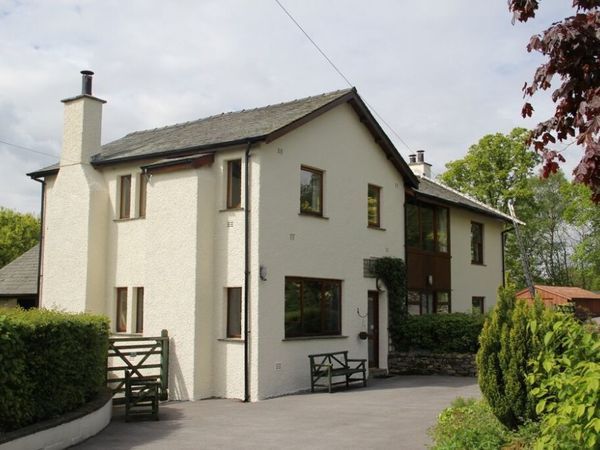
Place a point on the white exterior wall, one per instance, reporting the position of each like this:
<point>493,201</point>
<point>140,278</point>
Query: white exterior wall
<point>321,248</point>
<point>474,280</point>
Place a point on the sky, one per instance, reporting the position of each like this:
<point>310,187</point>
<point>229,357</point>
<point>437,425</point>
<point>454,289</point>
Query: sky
<point>443,74</point>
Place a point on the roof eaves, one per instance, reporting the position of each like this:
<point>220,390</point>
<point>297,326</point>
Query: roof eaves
<point>43,172</point>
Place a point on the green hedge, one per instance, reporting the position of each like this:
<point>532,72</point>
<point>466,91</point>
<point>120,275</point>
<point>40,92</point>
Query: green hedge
<point>439,333</point>
<point>50,363</point>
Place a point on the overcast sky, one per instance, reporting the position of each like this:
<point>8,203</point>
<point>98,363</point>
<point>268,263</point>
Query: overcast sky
<point>442,74</point>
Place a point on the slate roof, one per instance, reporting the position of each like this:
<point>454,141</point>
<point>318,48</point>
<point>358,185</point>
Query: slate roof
<point>439,191</point>
<point>20,276</point>
<point>237,128</point>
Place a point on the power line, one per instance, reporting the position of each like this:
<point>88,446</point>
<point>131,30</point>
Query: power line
<point>29,149</point>
<point>340,73</point>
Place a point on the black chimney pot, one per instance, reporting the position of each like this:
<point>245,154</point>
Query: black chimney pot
<point>420,156</point>
<point>412,158</point>
<point>86,82</point>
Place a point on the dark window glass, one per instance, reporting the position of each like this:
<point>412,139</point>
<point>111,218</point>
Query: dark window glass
<point>442,302</point>
<point>477,305</point>
<point>476,243</point>
<point>139,311</point>
<point>312,307</point>
<point>422,302</point>
<point>427,229</point>
<point>311,191</point>
<point>143,187</point>
<point>125,200</point>
<point>412,225</point>
<point>373,205</point>
<point>234,183</point>
<point>234,312</point>
<point>414,303</point>
<point>121,310</point>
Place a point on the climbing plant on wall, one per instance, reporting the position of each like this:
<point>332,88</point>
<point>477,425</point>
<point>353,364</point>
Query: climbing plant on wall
<point>392,272</point>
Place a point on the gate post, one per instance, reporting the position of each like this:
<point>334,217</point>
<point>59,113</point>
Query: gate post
<point>164,365</point>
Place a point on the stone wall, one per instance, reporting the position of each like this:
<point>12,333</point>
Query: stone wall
<point>427,363</point>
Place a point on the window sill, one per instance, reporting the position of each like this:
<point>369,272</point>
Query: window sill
<point>231,209</point>
<point>128,219</point>
<point>307,338</point>
<point>478,264</point>
<point>375,227</point>
<point>316,216</point>
<point>231,339</point>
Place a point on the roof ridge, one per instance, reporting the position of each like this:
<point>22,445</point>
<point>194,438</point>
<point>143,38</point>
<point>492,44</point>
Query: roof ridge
<point>225,113</point>
<point>468,197</point>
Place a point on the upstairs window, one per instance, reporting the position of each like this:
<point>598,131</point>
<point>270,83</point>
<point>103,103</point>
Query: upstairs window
<point>427,227</point>
<point>142,194</point>
<point>476,243</point>
<point>311,191</point>
<point>234,312</point>
<point>125,196</point>
<point>234,184</point>
<point>312,307</point>
<point>374,206</point>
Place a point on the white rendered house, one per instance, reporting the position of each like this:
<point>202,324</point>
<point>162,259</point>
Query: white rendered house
<point>245,235</point>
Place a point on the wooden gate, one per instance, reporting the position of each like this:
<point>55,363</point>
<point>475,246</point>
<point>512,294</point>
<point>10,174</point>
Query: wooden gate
<point>145,357</point>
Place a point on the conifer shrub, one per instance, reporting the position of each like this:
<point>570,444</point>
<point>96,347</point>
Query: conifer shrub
<point>50,363</point>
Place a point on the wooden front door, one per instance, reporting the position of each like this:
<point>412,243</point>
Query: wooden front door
<point>373,329</point>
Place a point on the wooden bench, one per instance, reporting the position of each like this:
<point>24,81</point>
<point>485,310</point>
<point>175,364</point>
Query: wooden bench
<point>141,397</point>
<point>326,366</point>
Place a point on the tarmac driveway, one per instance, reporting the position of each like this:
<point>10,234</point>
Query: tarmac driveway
<point>392,413</point>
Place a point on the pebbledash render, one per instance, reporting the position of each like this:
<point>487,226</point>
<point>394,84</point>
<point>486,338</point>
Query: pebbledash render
<point>266,217</point>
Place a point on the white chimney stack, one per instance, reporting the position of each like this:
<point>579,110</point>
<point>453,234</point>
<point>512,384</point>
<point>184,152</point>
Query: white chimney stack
<point>418,165</point>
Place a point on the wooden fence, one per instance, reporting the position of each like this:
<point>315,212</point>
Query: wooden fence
<point>145,357</point>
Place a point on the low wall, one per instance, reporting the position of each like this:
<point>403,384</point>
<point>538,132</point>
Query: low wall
<point>64,431</point>
<point>427,363</point>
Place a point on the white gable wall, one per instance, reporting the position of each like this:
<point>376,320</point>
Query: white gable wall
<point>334,248</point>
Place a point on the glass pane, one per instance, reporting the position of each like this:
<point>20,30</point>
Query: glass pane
<point>331,307</point>
<point>426,303</point>
<point>310,191</point>
<point>143,188</point>
<point>476,242</point>
<point>427,227</point>
<point>234,187</point>
<point>443,302</point>
<point>412,225</point>
<point>442,230</point>
<point>293,317</point>
<point>414,303</point>
<point>122,310</point>
<point>477,305</point>
<point>125,197</point>
<point>139,311</point>
<point>234,312</point>
<point>311,307</point>
<point>373,205</point>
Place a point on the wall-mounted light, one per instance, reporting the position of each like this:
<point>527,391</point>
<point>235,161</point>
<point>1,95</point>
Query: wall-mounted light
<point>263,273</point>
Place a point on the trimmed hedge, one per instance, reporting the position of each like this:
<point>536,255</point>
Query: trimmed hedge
<point>50,363</point>
<point>438,333</point>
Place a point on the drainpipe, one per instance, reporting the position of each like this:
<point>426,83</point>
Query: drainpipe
<point>246,272</point>
<point>503,235</point>
<point>39,277</point>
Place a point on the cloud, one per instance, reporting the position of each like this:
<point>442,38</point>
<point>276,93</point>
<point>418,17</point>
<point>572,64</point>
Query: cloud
<point>442,76</point>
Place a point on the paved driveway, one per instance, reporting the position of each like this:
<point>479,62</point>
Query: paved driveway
<point>391,413</point>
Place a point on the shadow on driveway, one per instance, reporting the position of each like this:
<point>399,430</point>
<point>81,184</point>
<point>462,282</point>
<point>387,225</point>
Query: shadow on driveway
<point>390,413</point>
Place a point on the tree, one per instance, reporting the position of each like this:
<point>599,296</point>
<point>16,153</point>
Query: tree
<point>573,50</point>
<point>495,170</point>
<point>18,233</point>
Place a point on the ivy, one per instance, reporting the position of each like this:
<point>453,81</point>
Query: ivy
<point>392,272</point>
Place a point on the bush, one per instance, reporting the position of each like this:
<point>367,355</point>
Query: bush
<point>507,343</point>
<point>441,333</point>
<point>565,380</point>
<point>470,424</point>
<point>50,363</point>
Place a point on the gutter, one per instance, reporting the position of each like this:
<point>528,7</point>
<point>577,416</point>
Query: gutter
<point>246,272</point>
<point>39,274</point>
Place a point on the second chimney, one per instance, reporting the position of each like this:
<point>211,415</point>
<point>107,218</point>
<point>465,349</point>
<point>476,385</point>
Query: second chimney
<point>418,165</point>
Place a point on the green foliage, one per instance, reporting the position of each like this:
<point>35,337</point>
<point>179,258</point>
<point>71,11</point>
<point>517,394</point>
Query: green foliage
<point>495,170</point>
<point>468,424</point>
<point>18,233</point>
<point>565,381</point>
<point>442,333</point>
<point>50,363</point>
<point>507,342</point>
<point>392,271</point>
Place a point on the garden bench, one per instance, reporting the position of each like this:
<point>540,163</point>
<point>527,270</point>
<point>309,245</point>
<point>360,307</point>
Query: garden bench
<point>326,366</point>
<point>141,397</point>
